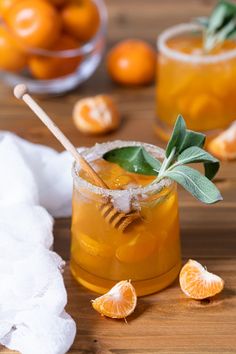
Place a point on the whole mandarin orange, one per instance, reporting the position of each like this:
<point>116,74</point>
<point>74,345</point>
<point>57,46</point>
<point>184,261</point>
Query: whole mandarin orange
<point>51,67</point>
<point>96,115</point>
<point>5,5</point>
<point>80,18</point>
<point>132,62</point>
<point>36,24</point>
<point>12,58</point>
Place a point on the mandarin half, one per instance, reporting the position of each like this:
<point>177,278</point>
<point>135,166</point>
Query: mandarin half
<point>96,115</point>
<point>119,302</point>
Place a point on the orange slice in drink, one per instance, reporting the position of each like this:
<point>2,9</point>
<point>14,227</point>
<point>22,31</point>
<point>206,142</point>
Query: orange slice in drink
<point>93,247</point>
<point>224,145</point>
<point>197,283</point>
<point>119,302</point>
<point>138,249</point>
<point>204,105</point>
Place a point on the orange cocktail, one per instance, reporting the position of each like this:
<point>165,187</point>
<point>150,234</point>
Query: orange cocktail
<point>198,85</point>
<point>148,251</point>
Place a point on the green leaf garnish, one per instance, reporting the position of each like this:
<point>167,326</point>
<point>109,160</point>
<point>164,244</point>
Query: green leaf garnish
<point>221,24</point>
<point>134,159</point>
<point>195,154</point>
<point>177,137</point>
<point>195,183</point>
<point>184,147</point>
<point>192,139</point>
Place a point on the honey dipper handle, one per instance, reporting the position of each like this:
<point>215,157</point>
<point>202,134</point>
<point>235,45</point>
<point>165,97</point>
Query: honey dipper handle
<point>20,92</point>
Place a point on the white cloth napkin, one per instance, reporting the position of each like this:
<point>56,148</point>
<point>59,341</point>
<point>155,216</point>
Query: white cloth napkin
<point>34,181</point>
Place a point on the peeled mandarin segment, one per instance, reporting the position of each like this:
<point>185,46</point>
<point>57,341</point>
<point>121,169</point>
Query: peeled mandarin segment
<point>205,105</point>
<point>49,67</point>
<point>142,180</point>
<point>12,58</point>
<point>132,62</point>
<point>119,302</point>
<point>137,250</point>
<point>93,247</point>
<point>123,182</point>
<point>96,115</point>
<point>36,24</point>
<point>224,145</point>
<point>80,19</point>
<point>181,86</point>
<point>197,283</point>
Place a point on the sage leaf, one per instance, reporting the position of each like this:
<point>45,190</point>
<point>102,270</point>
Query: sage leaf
<point>219,13</point>
<point>202,20</point>
<point>177,136</point>
<point>220,25</point>
<point>134,159</point>
<point>211,169</point>
<point>195,154</point>
<point>192,139</point>
<point>195,183</point>
<point>154,163</point>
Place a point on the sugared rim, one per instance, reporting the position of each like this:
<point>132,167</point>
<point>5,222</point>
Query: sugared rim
<point>188,58</point>
<point>84,49</point>
<point>99,150</point>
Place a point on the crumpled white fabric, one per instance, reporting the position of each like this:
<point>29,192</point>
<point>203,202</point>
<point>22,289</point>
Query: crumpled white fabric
<point>35,181</point>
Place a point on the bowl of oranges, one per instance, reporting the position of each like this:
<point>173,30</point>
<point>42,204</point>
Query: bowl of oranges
<point>51,45</point>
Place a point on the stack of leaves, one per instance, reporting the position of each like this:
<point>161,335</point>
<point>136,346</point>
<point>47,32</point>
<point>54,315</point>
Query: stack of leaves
<point>184,147</point>
<point>220,25</point>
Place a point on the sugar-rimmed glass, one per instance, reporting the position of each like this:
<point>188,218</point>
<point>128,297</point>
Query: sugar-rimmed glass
<point>89,56</point>
<point>197,85</point>
<point>148,252</point>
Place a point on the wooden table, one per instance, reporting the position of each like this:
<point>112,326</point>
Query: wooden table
<point>166,322</point>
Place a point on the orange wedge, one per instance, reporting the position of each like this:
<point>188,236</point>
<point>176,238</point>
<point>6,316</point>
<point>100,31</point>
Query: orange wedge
<point>119,302</point>
<point>197,283</point>
<point>224,145</point>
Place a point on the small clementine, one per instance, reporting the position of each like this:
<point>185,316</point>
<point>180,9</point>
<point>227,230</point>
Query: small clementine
<point>132,62</point>
<point>51,67</point>
<point>12,58</point>
<point>36,24</point>
<point>80,18</point>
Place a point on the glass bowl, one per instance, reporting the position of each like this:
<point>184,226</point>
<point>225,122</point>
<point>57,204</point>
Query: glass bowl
<point>89,54</point>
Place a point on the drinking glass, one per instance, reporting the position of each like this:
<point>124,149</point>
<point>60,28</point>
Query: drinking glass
<point>198,85</point>
<point>147,252</point>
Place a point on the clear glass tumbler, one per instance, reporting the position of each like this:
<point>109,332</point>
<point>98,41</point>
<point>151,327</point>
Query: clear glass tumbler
<point>198,85</point>
<point>147,252</point>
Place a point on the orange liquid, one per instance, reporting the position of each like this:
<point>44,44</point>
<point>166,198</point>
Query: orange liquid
<point>148,252</point>
<point>205,94</point>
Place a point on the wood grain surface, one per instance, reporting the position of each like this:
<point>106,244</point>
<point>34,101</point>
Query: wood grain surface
<point>166,322</point>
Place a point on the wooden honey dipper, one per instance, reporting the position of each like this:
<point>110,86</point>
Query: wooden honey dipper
<point>112,216</point>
